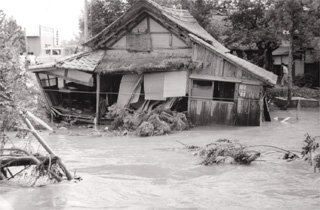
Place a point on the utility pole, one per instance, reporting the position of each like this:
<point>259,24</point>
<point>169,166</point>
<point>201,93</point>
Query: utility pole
<point>85,20</point>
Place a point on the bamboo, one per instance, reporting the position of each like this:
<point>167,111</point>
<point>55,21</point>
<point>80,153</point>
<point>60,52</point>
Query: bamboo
<point>38,120</point>
<point>44,144</point>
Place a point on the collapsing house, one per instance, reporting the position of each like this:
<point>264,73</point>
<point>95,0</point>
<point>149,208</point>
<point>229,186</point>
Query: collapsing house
<point>153,56</point>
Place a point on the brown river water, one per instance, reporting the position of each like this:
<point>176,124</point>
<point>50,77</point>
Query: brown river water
<point>158,173</point>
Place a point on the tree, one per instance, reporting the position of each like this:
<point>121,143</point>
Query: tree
<point>15,82</point>
<point>101,13</point>
<point>298,22</point>
<point>249,26</point>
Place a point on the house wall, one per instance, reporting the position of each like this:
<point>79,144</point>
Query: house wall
<point>42,39</point>
<point>244,108</point>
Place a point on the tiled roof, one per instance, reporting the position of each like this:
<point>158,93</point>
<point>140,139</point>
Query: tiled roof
<point>85,61</point>
<point>262,74</point>
<point>142,62</point>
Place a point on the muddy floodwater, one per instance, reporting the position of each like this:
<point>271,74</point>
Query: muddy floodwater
<point>158,173</point>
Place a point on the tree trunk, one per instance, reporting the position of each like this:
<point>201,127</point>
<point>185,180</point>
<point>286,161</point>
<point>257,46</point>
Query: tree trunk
<point>290,62</point>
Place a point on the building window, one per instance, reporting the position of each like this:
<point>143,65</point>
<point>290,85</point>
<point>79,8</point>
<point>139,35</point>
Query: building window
<point>213,90</point>
<point>47,80</point>
<point>139,42</point>
<point>223,91</point>
<point>56,52</point>
<point>249,91</point>
<point>202,89</point>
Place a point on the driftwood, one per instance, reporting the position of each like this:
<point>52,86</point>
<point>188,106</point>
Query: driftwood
<point>50,165</point>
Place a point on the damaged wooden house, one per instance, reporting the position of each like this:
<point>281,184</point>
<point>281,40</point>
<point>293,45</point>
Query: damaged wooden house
<point>153,56</point>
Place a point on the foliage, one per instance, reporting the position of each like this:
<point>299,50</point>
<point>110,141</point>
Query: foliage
<point>305,80</point>
<point>311,151</point>
<point>298,19</point>
<point>249,28</point>
<point>296,92</point>
<point>101,13</point>
<point>17,84</point>
<point>157,122</point>
<point>224,151</point>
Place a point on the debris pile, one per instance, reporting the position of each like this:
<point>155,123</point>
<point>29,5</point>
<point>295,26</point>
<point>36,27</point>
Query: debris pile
<point>224,151</point>
<point>24,164</point>
<point>311,151</point>
<point>231,151</point>
<point>157,122</point>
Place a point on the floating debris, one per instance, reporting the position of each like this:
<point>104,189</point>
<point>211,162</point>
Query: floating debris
<point>311,151</point>
<point>224,150</point>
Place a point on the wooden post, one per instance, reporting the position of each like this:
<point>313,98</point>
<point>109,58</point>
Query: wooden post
<point>48,102</point>
<point>44,144</point>
<point>98,100</point>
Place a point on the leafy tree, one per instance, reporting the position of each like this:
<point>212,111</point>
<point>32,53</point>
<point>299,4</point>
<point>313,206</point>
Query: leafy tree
<point>296,21</point>
<point>101,13</point>
<point>16,83</point>
<point>249,26</point>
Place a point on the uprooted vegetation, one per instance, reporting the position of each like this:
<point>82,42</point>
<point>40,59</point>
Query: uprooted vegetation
<point>232,152</point>
<point>157,122</point>
<point>22,163</point>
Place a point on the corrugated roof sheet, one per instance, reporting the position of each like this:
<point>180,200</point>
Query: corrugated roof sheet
<point>142,62</point>
<point>85,61</point>
<point>262,74</point>
<point>180,17</point>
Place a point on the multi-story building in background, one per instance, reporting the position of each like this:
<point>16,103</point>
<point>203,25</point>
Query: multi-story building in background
<point>38,38</point>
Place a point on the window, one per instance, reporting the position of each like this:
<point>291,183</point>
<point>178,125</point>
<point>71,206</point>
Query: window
<point>223,91</point>
<point>213,90</point>
<point>249,91</point>
<point>202,89</point>
<point>48,52</point>
<point>56,52</point>
<point>139,42</point>
<point>47,80</point>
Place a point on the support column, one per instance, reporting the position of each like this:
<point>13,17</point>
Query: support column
<point>98,100</point>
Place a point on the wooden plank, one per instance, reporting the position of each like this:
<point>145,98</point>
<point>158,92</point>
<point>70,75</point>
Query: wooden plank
<point>44,94</point>
<point>97,100</point>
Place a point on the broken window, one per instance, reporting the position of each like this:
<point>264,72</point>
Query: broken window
<point>213,90</point>
<point>249,91</point>
<point>223,91</point>
<point>47,80</point>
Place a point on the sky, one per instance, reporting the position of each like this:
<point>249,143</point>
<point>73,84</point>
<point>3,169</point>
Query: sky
<point>59,14</point>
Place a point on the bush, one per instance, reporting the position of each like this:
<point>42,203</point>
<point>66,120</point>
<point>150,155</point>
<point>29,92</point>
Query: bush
<point>296,92</point>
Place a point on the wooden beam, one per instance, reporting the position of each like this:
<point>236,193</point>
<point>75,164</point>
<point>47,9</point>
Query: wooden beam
<point>134,21</point>
<point>44,94</point>
<point>123,32</point>
<point>44,144</point>
<point>70,79</point>
<point>98,100</point>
